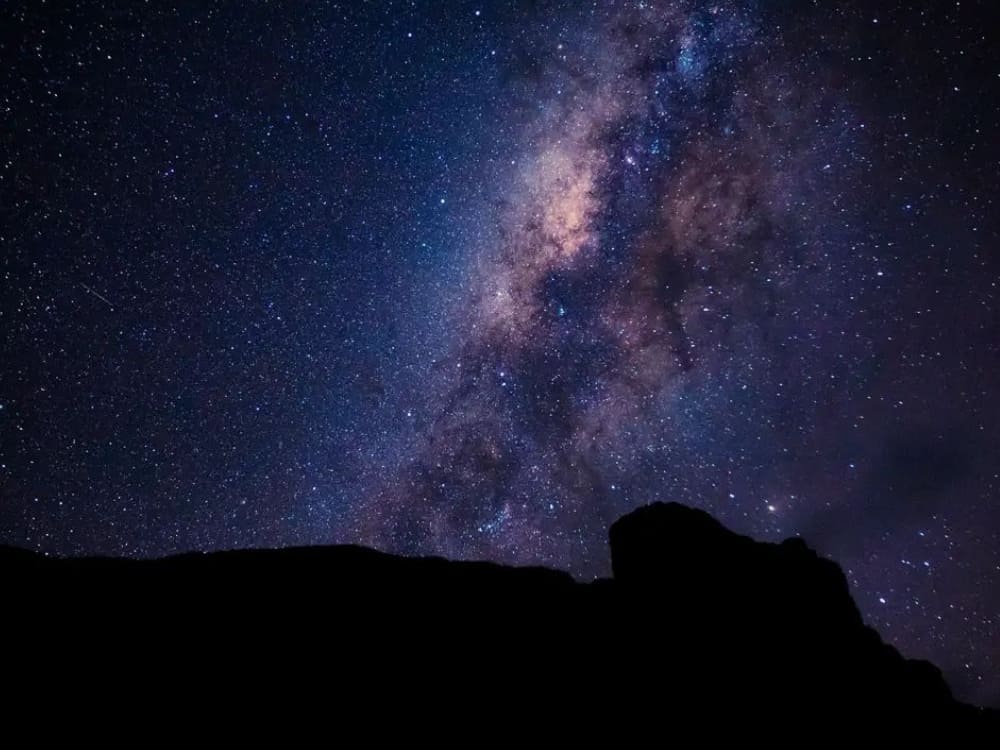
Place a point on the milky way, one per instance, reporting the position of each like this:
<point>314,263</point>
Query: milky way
<point>663,213</point>
<point>477,279</point>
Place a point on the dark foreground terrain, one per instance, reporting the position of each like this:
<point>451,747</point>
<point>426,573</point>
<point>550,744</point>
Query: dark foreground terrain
<point>697,621</point>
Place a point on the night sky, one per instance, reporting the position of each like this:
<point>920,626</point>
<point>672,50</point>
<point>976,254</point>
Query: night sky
<point>475,279</point>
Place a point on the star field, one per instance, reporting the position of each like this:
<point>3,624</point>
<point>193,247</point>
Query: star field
<point>475,279</point>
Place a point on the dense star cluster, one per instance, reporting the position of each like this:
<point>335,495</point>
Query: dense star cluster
<point>475,279</point>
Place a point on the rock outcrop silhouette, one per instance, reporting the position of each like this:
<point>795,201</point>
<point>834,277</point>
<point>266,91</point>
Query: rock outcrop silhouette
<point>697,620</point>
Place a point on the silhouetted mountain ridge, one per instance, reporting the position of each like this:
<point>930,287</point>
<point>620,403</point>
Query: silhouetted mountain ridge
<point>696,618</point>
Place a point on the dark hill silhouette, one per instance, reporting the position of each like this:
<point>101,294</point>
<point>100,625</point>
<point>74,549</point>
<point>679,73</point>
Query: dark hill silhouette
<point>696,620</point>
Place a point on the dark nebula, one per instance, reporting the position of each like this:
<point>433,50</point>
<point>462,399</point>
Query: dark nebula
<point>475,279</point>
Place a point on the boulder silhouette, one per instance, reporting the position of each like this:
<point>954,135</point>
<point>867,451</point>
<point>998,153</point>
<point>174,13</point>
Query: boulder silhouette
<point>697,620</point>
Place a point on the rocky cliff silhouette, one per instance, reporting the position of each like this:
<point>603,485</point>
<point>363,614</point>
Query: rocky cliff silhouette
<point>695,619</point>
